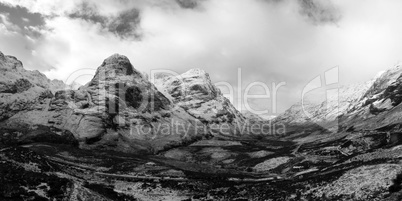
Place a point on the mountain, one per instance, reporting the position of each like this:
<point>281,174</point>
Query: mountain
<point>370,105</point>
<point>380,104</point>
<point>22,89</point>
<point>327,111</point>
<point>194,92</point>
<point>118,109</point>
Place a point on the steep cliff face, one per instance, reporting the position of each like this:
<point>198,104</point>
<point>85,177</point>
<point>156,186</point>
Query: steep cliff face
<point>194,92</point>
<point>118,109</point>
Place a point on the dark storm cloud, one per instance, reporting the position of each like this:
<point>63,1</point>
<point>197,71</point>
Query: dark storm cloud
<point>272,1</point>
<point>89,13</point>
<point>319,12</point>
<point>124,24</point>
<point>27,22</point>
<point>272,41</point>
<point>189,4</point>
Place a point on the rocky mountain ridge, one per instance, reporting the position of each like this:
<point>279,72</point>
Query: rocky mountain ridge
<point>119,109</point>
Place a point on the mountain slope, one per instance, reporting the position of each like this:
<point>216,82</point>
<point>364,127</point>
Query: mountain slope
<point>326,111</point>
<point>380,105</point>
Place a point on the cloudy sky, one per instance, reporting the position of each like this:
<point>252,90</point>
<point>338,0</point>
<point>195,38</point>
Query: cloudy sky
<point>271,41</point>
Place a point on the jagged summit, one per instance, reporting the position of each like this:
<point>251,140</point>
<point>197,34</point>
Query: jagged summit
<point>195,84</point>
<point>115,67</point>
<point>199,76</point>
<point>120,63</point>
<point>115,58</point>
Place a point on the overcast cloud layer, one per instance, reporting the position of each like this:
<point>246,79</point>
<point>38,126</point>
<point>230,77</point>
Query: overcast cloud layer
<point>270,40</point>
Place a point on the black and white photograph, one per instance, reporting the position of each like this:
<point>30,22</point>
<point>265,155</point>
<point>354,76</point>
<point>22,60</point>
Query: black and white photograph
<point>200,100</point>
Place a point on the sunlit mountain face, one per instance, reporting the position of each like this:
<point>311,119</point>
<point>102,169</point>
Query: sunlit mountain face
<point>200,100</point>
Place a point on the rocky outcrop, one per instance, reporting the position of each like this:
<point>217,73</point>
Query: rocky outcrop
<point>194,92</point>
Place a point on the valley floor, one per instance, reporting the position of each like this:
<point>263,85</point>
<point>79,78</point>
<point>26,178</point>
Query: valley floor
<point>342,166</point>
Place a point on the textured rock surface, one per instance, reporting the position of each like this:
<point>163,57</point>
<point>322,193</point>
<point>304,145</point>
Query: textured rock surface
<point>194,92</point>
